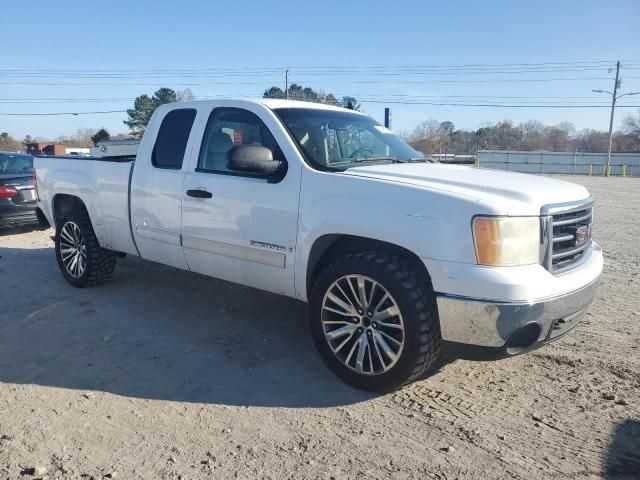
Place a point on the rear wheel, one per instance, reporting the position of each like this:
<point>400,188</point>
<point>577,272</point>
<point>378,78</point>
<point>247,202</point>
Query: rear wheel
<point>374,320</point>
<point>82,261</point>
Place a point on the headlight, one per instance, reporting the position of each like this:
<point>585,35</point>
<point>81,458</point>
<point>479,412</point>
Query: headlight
<point>507,240</point>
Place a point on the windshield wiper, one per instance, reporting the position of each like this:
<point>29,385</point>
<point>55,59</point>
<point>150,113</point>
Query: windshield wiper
<point>423,160</point>
<point>420,160</point>
<point>377,159</point>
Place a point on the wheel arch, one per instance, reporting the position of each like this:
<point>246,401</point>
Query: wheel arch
<point>64,203</point>
<point>329,247</point>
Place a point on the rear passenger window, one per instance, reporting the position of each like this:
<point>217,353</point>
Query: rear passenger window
<point>171,143</point>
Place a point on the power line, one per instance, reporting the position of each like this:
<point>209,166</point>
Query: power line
<point>316,71</point>
<point>60,113</point>
<point>277,69</point>
<point>361,98</point>
<point>501,100</point>
<point>497,105</point>
<point>301,80</point>
<point>373,97</point>
<point>395,72</point>
<point>492,105</point>
<point>387,95</point>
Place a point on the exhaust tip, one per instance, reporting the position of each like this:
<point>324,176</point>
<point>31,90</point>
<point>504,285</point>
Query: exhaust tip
<point>523,338</point>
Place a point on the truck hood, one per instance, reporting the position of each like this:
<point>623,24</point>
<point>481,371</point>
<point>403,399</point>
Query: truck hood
<point>507,193</point>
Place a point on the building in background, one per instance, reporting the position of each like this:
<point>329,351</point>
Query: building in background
<point>46,149</point>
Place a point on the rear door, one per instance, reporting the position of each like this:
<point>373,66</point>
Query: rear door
<point>156,187</point>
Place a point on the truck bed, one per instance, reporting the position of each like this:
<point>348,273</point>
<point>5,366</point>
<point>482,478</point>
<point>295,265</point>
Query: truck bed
<point>102,183</point>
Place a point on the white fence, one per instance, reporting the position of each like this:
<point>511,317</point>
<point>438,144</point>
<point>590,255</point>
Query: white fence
<point>570,163</point>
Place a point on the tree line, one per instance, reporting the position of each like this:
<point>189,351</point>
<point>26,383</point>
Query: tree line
<point>306,94</point>
<point>84,137</point>
<point>434,137</point>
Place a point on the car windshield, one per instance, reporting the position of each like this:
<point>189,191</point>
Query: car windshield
<point>15,163</point>
<point>335,140</point>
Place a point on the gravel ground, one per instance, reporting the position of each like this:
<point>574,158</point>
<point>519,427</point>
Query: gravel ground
<point>166,374</point>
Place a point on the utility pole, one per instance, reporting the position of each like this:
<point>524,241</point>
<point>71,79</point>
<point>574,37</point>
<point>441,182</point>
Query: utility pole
<point>286,83</point>
<point>614,97</point>
<point>387,118</point>
<point>613,109</point>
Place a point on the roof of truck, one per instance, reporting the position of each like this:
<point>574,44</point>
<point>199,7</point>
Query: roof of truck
<point>271,103</point>
<point>281,103</point>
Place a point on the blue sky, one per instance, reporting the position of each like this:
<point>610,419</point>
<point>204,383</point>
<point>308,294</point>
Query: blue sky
<point>194,35</point>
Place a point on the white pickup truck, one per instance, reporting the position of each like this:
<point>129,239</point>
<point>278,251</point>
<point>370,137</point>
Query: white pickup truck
<point>397,256</point>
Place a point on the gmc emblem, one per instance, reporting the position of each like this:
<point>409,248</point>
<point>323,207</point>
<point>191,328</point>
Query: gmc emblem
<point>583,234</point>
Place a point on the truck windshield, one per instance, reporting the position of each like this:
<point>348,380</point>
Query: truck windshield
<point>335,140</point>
<point>15,164</point>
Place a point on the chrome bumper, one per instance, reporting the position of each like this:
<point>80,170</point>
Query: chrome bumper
<point>492,324</point>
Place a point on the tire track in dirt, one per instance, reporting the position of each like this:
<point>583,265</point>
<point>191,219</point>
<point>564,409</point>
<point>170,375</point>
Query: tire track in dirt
<point>507,427</point>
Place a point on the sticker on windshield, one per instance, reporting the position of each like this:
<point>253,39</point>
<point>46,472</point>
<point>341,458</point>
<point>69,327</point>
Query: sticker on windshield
<point>382,129</point>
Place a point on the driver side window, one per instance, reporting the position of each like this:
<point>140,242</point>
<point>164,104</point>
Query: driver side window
<point>226,129</point>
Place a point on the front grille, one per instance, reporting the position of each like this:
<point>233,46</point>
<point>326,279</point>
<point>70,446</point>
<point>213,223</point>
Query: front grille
<point>569,235</point>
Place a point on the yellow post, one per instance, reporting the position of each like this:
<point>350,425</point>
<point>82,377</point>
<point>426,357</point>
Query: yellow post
<point>608,170</point>
<point>590,169</point>
<point>624,170</point>
<point>477,162</point>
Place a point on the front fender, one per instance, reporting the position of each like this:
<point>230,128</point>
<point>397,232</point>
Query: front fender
<point>433,225</point>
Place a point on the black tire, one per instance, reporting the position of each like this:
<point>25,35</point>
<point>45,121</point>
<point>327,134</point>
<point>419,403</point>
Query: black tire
<point>414,296</point>
<point>100,263</point>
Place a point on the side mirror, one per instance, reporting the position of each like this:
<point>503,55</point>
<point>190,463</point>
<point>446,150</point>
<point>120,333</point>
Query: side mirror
<point>254,159</point>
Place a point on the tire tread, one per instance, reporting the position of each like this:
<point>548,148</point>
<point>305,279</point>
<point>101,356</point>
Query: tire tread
<point>101,263</point>
<point>418,285</point>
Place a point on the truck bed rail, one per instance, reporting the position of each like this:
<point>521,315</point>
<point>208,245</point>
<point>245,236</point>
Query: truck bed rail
<point>112,158</point>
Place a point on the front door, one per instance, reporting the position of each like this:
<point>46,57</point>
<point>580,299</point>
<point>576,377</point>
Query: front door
<point>236,226</point>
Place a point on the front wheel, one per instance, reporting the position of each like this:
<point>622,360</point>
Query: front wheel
<point>374,321</point>
<point>82,261</point>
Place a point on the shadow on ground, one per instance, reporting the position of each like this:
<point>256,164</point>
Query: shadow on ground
<point>7,231</point>
<point>623,455</point>
<point>158,333</point>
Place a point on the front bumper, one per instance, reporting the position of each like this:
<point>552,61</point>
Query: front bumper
<point>502,328</point>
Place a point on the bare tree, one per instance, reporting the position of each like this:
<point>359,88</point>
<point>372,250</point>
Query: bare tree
<point>631,125</point>
<point>8,143</point>
<point>185,95</point>
<point>432,136</point>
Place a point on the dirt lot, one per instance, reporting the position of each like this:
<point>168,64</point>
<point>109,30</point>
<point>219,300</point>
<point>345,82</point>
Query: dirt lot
<point>165,374</point>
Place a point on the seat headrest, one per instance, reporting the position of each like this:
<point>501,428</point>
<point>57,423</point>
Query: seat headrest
<point>219,142</point>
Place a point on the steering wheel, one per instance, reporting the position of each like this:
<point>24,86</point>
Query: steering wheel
<point>360,150</point>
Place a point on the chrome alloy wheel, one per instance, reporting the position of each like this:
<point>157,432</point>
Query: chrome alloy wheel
<point>73,249</point>
<point>362,324</point>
